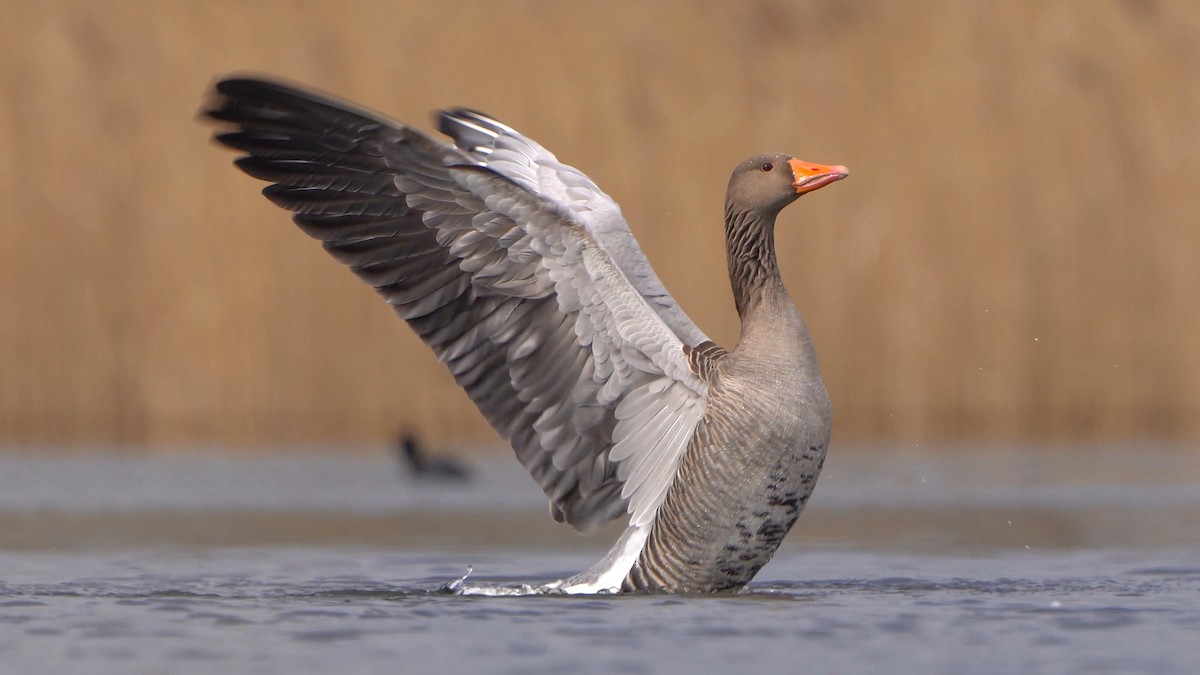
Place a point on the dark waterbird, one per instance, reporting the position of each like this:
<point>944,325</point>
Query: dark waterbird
<point>525,280</point>
<point>419,464</point>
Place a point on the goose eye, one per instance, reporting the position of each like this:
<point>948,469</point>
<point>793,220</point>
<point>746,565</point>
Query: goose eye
<point>767,166</point>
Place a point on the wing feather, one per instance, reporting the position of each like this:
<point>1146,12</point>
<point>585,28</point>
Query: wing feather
<point>515,269</point>
<point>498,146</point>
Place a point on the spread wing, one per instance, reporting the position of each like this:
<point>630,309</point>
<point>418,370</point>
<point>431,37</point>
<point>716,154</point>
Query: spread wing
<point>515,269</point>
<point>518,158</point>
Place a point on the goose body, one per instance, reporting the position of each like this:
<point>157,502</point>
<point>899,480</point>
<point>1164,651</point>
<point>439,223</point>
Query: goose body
<point>525,280</point>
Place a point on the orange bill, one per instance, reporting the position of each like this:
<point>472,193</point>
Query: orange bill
<point>809,176</point>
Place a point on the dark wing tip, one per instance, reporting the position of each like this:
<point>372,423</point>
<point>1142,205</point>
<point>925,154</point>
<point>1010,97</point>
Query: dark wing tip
<point>220,100</point>
<point>237,98</point>
<point>271,89</point>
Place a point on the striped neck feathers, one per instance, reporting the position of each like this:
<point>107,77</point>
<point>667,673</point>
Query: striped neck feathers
<point>750,253</point>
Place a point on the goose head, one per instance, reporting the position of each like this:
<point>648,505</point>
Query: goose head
<point>767,183</point>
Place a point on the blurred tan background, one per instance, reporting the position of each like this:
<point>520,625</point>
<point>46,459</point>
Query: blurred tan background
<point>1015,257</point>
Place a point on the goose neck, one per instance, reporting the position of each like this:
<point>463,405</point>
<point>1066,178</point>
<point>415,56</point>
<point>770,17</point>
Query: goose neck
<point>750,252</point>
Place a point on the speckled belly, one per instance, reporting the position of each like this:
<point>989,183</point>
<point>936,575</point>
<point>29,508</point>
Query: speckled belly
<point>739,490</point>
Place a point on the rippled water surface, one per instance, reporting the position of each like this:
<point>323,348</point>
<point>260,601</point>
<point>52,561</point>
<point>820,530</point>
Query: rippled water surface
<point>188,565</point>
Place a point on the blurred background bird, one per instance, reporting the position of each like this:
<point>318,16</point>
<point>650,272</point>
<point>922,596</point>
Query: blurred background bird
<point>416,463</point>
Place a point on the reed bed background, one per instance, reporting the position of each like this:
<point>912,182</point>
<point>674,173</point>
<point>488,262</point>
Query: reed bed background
<point>1016,256</point>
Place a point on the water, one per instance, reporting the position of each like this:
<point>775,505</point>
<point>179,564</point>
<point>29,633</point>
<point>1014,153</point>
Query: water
<point>930,564</point>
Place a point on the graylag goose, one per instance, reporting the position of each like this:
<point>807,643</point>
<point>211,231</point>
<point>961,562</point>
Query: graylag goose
<point>524,279</point>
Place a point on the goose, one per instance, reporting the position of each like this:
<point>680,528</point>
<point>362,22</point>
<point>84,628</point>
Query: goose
<point>524,279</point>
